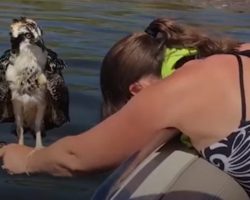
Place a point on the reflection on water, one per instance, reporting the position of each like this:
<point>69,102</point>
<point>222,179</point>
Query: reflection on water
<point>81,32</point>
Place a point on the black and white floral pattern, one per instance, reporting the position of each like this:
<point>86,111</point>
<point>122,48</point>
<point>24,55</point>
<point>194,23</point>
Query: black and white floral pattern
<point>232,155</point>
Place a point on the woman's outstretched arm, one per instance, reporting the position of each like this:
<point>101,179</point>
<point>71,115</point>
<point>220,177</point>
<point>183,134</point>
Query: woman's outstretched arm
<point>73,155</point>
<point>106,145</point>
<point>60,159</point>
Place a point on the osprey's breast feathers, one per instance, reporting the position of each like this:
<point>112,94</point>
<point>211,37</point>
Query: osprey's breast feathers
<point>26,72</point>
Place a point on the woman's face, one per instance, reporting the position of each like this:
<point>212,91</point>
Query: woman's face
<point>142,83</point>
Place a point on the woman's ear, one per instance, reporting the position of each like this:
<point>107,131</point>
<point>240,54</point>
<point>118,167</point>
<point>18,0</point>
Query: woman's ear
<point>142,83</point>
<point>134,88</point>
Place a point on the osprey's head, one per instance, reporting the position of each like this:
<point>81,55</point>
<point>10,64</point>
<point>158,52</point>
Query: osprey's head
<point>24,32</point>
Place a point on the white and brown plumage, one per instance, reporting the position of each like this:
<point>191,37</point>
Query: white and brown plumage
<point>32,88</point>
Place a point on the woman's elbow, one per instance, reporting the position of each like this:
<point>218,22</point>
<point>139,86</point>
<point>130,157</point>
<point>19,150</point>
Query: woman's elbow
<point>74,159</point>
<point>75,166</point>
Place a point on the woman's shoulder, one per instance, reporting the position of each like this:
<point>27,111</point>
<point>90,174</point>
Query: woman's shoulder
<point>244,47</point>
<point>214,62</point>
<point>203,65</point>
<point>201,71</point>
<point>218,58</point>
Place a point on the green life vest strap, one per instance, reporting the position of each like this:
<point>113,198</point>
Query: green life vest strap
<point>171,56</point>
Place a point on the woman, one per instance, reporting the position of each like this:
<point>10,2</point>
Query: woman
<point>153,54</point>
<point>205,98</point>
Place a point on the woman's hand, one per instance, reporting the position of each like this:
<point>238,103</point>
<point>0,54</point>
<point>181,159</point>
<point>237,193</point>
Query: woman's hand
<point>14,158</point>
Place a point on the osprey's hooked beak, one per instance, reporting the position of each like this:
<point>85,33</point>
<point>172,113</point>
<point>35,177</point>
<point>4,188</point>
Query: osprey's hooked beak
<point>40,43</point>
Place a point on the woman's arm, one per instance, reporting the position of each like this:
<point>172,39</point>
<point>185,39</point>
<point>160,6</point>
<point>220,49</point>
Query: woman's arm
<point>110,142</point>
<point>104,146</point>
<point>60,159</point>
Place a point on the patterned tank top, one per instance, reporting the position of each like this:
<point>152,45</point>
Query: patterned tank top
<point>232,154</point>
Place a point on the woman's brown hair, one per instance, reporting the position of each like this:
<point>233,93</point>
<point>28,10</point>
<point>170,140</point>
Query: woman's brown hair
<point>142,54</point>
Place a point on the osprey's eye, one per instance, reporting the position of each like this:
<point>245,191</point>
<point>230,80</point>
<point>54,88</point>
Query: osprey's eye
<point>28,35</point>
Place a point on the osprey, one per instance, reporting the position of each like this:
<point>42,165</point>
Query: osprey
<point>33,93</point>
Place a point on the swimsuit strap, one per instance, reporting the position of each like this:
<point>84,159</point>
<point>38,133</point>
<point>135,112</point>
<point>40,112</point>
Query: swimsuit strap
<point>242,90</point>
<point>245,53</point>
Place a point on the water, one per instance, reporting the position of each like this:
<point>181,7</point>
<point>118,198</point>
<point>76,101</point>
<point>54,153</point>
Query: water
<point>81,32</point>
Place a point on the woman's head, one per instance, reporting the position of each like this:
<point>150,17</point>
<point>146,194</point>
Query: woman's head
<point>141,55</point>
<point>130,59</point>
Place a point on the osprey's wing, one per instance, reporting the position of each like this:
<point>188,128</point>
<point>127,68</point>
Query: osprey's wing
<point>53,62</point>
<point>57,92</point>
<point>6,111</point>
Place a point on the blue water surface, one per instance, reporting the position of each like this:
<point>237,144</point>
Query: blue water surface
<point>81,32</point>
